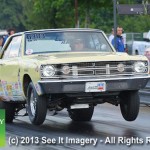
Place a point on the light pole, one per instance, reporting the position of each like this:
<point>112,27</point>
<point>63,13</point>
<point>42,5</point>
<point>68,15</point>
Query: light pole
<point>76,14</point>
<point>115,21</point>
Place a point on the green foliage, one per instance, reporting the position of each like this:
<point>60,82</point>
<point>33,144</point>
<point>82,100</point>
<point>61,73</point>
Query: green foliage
<point>38,14</point>
<point>135,23</point>
<point>52,14</point>
<point>9,16</point>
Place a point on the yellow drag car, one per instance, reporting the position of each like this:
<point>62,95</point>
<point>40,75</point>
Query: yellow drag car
<point>77,69</point>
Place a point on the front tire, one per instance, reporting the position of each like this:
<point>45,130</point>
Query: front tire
<point>84,114</point>
<point>9,110</point>
<point>36,106</point>
<point>129,105</point>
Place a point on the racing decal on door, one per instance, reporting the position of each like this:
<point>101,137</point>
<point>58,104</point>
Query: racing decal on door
<point>1,89</point>
<point>10,90</point>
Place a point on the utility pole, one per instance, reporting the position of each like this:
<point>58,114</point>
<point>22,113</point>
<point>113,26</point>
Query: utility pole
<point>115,20</point>
<point>76,14</point>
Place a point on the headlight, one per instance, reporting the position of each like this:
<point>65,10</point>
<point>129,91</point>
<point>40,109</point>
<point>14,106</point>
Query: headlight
<point>120,67</point>
<point>48,71</point>
<point>140,67</point>
<point>66,69</point>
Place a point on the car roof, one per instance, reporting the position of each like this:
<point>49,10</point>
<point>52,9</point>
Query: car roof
<point>62,29</point>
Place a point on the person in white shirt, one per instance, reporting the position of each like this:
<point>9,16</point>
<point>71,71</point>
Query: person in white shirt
<point>111,37</point>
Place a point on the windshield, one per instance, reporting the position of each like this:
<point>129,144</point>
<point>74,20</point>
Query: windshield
<point>48,42</point>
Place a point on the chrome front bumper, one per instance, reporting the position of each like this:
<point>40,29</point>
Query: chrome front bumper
<point>76,85</point>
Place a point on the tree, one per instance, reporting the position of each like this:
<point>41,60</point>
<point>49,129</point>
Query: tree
<point>51,14</point>
<point>139,1</point>
<point>89,9</point>
<point>9,15</point>
<point>39,14</point>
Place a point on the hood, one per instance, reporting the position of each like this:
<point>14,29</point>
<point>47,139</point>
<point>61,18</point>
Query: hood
<point>74,57</point>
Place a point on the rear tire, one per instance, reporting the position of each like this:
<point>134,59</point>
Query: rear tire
<point>84,114</point>
<point>36,106</point>
<point>129,105</point>
<point>9,110</point>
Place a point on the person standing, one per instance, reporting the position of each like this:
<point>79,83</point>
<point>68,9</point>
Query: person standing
<point>119,43</point>
<point>10,31</point>
<point>111,36</point>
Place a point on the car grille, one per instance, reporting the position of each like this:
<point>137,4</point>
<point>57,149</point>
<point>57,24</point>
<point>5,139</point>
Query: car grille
<point>94,69</point>
<point>100,68</point>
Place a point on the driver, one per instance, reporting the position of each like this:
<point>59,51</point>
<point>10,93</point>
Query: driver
<point>78,45</point>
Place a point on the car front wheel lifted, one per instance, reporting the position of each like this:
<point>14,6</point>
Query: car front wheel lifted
<point>129,105</point>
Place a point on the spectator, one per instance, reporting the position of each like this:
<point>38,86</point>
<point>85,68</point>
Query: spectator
<point>119,43</point>
<point>10,31</point>
<point>111,36</point>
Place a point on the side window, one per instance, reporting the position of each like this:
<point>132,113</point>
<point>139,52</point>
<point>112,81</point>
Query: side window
<point>13,48</point>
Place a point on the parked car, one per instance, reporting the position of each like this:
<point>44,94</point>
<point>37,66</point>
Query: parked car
<point>45,69</point>
<point>139,47</point>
